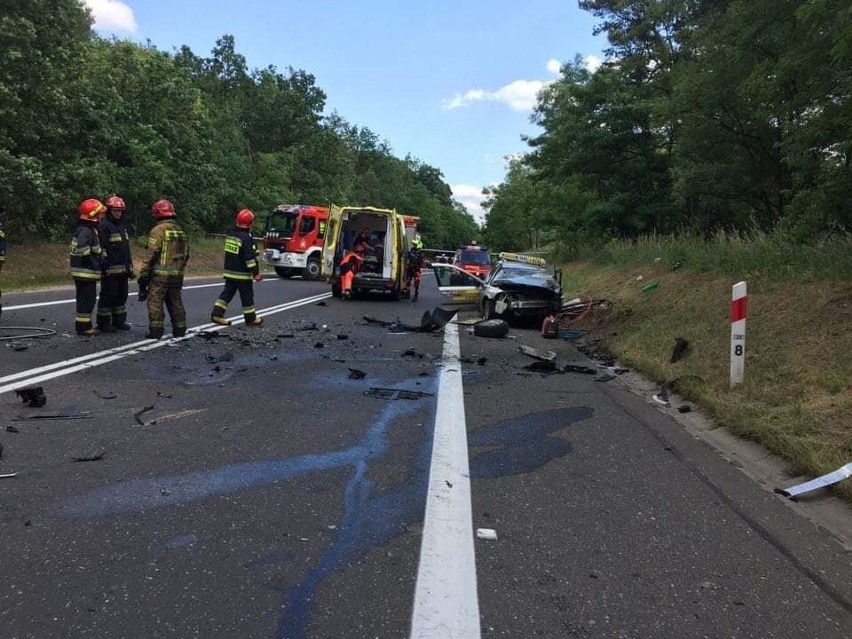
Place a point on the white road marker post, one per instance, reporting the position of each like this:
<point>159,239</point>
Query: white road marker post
<point>739,313</point>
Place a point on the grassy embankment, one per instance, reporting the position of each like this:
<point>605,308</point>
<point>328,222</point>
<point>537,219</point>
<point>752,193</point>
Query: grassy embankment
<point>797,396</point>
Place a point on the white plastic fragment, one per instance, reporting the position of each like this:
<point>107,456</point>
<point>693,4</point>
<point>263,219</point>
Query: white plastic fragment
<point>489,534</point>
<point>9,476</point>
<point>820,482</point>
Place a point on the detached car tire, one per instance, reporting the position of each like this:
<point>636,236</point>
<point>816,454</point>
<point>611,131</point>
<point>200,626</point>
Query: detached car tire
<point>491,328</point>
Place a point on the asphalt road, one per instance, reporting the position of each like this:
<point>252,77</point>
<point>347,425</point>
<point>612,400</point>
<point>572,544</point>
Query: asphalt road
<point>247,482</point>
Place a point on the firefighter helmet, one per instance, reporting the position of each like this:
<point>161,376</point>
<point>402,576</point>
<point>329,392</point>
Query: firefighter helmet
<point>115,202</point>
<point>245,219</point>
<point>163,209</point>
<point>90,210</point>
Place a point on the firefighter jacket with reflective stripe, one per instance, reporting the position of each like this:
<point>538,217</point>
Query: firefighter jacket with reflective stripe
<point>116,245</point>
<point>240,256</point>
<point>167,252</point>
<point>86,252</point>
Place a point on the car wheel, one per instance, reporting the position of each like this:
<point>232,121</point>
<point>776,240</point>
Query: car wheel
<point>491,328</point>
<point>488,309</point>
<point>286,273</point>
<point>312,270</point>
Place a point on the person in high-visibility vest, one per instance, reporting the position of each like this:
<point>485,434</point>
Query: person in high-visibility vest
<point>240,272</point>
<point>349,265</point>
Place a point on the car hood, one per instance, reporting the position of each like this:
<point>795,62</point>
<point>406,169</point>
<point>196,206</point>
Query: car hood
<point>528,283</point>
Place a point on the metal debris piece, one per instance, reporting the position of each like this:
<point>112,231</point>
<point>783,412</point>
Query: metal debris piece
<point>395,393</point>
<point>537,353</point>
<point>104,395</point>
<point>164,418</point>
<point>138,414</point>
<point>88,458</point>
<point>488,534</point>
<point>820,482</point>
<point>61,415</point>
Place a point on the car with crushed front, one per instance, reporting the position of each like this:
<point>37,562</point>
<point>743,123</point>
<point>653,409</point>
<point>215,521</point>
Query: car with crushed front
<point>519,288</point>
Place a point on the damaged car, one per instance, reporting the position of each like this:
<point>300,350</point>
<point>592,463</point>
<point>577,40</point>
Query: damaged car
<point>519,288</point>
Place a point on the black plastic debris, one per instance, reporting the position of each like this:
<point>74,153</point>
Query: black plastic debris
<point>322,303</point>
<point>395,393</point>
<point>412,353</point>
<point>284,336</point>
<point>481,361</point>
<point>34,396</point>
<point>684,408</point>
<point>308,327</point>
<point>101,395</point>
<point>680,350</point>
<point>12,429</point>
<point>541,366</point>
<point>578,368</point>
<point>319,345</point>
<point>90,458</point>
<point>342,336</point>
<point>355,373</point>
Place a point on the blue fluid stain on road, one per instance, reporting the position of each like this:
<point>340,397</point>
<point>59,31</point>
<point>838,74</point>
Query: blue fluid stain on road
<point>369,518</point>
<point>523,443</point>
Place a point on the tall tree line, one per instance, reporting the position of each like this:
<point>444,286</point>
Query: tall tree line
<point>82,116</point>
<point>709,115</point>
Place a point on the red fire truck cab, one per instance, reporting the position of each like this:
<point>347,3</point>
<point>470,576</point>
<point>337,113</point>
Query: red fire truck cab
<point>474,259</point>
<point>294,239</point>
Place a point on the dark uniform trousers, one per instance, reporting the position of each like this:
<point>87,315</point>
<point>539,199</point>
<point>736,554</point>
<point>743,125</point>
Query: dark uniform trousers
<point>246,289</point>
<point>111,304</point>
<point>166,289</point>
<point>87,293</point>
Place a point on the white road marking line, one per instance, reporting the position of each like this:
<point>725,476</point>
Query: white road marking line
<point>445,599</point>
<point>60,369</point>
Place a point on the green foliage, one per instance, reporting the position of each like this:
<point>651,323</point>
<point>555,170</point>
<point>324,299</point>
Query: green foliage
<point>81,116</point>
<point>719,115</point>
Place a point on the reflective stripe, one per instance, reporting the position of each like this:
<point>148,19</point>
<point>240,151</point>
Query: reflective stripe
<point>85,274</point>
<point>233,275</point>
<point>220,304</point>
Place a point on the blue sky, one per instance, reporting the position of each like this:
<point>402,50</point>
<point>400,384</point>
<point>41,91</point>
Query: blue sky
<point>451,82</point>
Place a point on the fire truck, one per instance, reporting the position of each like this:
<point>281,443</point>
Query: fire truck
<point>474,259</point>
<point>294,239</point>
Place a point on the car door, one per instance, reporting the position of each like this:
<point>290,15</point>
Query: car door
<point>332,237</point>
<point>459,289</point>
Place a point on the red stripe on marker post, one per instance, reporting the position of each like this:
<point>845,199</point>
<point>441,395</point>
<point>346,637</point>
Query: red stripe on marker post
<point>739,309</point>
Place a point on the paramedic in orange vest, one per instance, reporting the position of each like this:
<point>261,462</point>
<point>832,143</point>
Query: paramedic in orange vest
<point>349,265</point>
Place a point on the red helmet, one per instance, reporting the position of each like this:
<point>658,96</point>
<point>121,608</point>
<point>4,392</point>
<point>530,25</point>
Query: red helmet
<point>163,209</point>
<point>90,210</point>
<point>115,202</point>
<point>245,219</point>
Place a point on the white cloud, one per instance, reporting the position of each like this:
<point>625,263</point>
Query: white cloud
<point>470,196</point>
<point>593,63</point>
<point>519,95</point>
<point>112,15</point>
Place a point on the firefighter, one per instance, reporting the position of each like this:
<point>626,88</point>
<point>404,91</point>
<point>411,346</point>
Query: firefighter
<point>86,263</point>
<point>118,268</point>
<point>350,264</point>
<point>241,270</point>
<point>2,249</point>
<point>162,271</point>
<point>413,266</point>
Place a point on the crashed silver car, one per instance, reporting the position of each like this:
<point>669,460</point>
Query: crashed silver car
<point>519,287</point>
